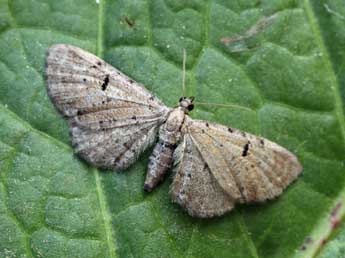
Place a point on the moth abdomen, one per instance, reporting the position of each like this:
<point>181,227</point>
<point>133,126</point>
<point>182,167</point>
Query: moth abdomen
<point>160,162</point>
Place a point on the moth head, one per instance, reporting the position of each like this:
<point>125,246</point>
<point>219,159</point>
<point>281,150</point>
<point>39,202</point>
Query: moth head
<point>187,103</point>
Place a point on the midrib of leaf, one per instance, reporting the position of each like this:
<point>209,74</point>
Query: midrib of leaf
<point>100,195</point>
<point>322,231</point>
<point>105,215</point>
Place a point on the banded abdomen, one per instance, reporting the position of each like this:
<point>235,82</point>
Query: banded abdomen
<point>161,158</point>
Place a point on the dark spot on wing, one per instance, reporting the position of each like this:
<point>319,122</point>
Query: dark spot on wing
<point>151,98</point>
<point>84,79</point>
<point>105,82</point>
<point>262,142</point>
<point>230,130</point>
<point>134,117</point>
<point>130,81</point>
<point>245,149</point>
<point>117,159</point>
<point>127,145</point>
<point>99,63</point>
<point>93,66</point>
<point>207,125</point>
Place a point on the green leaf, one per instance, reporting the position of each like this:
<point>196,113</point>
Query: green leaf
<point>336,247</point>
<point>283,59</point>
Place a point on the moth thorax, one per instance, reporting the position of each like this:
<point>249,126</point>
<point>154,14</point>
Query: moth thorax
<point>174,121</point>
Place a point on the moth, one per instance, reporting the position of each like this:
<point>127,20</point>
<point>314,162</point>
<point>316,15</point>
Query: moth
<point>114,119</point>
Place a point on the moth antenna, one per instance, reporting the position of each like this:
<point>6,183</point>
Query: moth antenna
<point>184,72</point>
<point>222,105</point>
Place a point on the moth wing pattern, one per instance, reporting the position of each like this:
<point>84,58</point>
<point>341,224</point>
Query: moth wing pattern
<point>112,118</point>
<point>194,187</point>
<point>246,167</point>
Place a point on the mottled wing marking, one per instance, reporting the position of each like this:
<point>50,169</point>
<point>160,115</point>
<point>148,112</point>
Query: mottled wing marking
<point>112,118</point>
<point>194,187</point>
<point>219,166</point>
<point>114,148</point>
<point>258,168</point>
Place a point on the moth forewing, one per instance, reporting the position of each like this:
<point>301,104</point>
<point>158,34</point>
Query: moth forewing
<point>259,168</point>
<point>112,117</point>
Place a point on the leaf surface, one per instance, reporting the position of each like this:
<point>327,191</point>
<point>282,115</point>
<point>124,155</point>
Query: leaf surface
<point>283,60</point>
